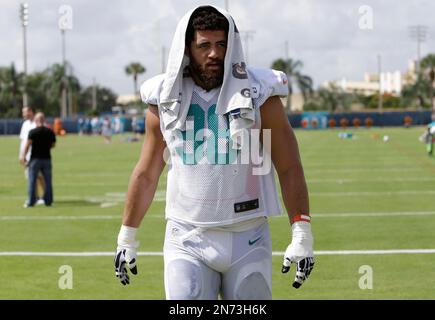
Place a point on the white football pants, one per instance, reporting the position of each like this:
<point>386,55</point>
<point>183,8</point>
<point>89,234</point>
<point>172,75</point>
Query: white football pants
<point>205,263</point>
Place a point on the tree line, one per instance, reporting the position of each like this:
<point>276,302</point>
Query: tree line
<point>44,90</point>
<point>418,94</point>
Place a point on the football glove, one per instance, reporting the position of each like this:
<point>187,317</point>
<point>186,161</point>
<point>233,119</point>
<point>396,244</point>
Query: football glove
<point>126,255</point>
<point>300,252</point>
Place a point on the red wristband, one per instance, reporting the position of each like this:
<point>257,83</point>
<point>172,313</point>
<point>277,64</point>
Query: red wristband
<point>300,217</point>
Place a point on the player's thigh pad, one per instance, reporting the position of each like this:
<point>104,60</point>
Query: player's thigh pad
<point>190,280</point>
<point>186,276</point>
<point>250,278</point>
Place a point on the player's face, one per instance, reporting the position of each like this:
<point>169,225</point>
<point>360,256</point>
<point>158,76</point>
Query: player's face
<point>27,113</point>
<point>207,56</point>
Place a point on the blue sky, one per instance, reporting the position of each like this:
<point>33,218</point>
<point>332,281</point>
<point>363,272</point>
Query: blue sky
<point>324,34</point>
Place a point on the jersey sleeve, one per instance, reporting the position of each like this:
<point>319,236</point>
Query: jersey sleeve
<point>266,83</point>
<point>150,90</point>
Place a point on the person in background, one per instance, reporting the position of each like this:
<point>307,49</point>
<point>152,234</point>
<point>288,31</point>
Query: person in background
<point>107,130</point>
<point>430,137</point>
<point>95,124</point>
<point>41,139</point>
<point>81,126</point>
<point>28,114</point>
<point>140,127</point>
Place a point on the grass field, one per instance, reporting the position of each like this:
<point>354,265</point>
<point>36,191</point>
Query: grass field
<point>365,194</point>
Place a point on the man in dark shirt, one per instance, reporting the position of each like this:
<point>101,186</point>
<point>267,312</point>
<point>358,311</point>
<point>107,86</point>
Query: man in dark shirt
<point>41,139</point>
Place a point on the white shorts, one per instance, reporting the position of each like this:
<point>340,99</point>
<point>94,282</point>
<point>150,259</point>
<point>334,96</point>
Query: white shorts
<point>205,263</point>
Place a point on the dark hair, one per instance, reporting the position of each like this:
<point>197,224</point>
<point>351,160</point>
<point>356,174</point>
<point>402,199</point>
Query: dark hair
<point>205,18</point>
<point>30,108</point>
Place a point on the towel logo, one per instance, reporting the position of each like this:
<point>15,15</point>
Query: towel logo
<point>246,92</point>
<point>239,70</point>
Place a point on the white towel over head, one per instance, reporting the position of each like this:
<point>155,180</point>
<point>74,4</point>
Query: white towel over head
<point>235,94</point>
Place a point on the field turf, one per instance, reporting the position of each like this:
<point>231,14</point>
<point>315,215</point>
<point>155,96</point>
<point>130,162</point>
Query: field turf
<point>365,194</point>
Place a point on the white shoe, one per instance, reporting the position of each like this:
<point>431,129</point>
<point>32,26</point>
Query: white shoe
<point>40,202</point>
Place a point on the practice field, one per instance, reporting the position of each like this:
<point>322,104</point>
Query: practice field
<point>372,202</point>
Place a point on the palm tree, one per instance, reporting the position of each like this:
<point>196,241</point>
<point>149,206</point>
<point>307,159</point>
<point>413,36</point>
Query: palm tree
<point>329,98</point>
<point>416,92</point>
<point>56,80</point>
<point>292,68</point>
<point>135,68</point>
<point>11,86</point>
<point>106,99</point>
<point>428,63</point>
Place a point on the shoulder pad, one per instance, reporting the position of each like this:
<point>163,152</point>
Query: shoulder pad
<point>266,83</point>
<point>150,89</point>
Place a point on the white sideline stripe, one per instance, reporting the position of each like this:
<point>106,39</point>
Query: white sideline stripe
<point>73,254</point>
<point>160,196</point>
<point>26,218</point>
<point>347,252</point>
<point>275,253</point>
<point>387,180</point>
<point>370,193</point>
<point>309,170</point>
<point>373,214</point>
<point>161,216</point>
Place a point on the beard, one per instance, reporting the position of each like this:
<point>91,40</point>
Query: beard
<point>209,79</point>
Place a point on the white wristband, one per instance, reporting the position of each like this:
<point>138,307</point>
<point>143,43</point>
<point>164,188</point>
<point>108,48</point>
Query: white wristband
<point>302,241</point>
<point>302,230</point>
<point>127,236</point>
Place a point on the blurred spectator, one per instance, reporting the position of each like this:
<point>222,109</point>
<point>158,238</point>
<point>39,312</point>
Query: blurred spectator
<point>88,126</point>
<point>117,125</point>
<point>107,130</point>
<point>95,124</point>
<point>41,139</point>
<point>430,137</point>
<point>81,126</point>
<point>138,126</point>
<point>28,124</point>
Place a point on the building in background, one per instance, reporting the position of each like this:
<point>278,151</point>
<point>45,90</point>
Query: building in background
<point>126,99</point>
<point>388,82</point>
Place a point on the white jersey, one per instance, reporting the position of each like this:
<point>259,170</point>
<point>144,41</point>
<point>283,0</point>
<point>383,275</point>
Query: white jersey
<point>208,185</point>
<point>24,135</point>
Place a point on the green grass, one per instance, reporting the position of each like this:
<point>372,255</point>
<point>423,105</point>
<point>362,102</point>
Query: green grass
<point>359,176</point>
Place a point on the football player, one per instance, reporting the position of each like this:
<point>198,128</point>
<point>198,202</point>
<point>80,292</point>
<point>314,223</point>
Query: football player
<point>217,206</point>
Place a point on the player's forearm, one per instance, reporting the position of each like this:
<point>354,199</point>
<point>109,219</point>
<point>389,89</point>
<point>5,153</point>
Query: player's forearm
<point>294,191</point>
<point>27,147</point>
<point>21,152</point>
<point>140,195</point>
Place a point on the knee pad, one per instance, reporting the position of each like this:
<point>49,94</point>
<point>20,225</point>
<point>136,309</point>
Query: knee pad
<point>253,287</point>
<point>183,280</point>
